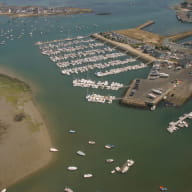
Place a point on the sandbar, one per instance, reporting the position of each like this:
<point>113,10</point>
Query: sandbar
<point>24,137</point>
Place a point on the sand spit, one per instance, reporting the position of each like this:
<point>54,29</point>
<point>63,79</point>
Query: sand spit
<point>24,138</point>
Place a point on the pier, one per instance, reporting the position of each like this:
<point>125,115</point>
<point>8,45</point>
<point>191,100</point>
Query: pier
<point>148,23</point>
<point>174,126</point>
<point>180,36</point>
<point>125,47</point>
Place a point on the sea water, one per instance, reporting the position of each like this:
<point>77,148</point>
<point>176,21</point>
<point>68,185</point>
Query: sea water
<point>160,158</point>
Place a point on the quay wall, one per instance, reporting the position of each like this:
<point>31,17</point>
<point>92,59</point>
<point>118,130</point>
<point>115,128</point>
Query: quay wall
<point>131,100</point>
<point>125,47</point>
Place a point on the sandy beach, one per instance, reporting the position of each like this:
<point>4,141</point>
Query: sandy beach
<point>24,137</point>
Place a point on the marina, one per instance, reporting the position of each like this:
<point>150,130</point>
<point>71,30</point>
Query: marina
<point>88,52</point>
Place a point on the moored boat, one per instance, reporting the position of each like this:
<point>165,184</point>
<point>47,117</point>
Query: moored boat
<point>163,188</point>
<point>109,146</point>
<point>72,168</point>
<point>91,142</point>
<point>113,171</point>
<point>109,160</point>
<point>130,162</point>
<point>81,153</point>
<point>4,190</point>
<point>72,131</point>
<point>88,175</point>
<point>67,189</point>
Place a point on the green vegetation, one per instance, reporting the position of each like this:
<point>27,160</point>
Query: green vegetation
<point>17,93</point>
<point>13,89</point>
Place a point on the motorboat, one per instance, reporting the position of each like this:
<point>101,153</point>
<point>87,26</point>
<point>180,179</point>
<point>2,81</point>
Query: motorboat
<point>88,175</point>
<point>130,162</point>
<point>4,190</point>
<point>72,168</point>
<point>113,171</point>
<point>91,142</point>
<point>81,153</point>
<point>72,131</point>
<point>109,160</point>
<point>109,146</point>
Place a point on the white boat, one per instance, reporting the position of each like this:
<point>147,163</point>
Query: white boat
<point>87,175</point>
<point>124,169</point>
<point>113,171</point>
<point>109,160</point>
<point>91,142</point>
<point>72,131</point>
<point>109,146</point>
<point>81,153</point>
<point>67,189</point>
<point>130,162</point>
<point>4,190</point>
<point>52,149</point>
<point>72,168</point>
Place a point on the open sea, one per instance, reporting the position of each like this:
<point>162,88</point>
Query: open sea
<point>160,158</point>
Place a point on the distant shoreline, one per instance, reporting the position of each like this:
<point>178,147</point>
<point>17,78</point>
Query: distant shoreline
<point>184,11</point>
<point>35,11</point>
<point>24,145</point>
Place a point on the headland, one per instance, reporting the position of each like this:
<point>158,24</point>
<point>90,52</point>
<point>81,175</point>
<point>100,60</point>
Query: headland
<point>31,11</point>
<point>24,138</point>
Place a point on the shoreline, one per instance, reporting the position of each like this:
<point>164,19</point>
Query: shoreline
<point>35,11</point>
<point>24,146</point>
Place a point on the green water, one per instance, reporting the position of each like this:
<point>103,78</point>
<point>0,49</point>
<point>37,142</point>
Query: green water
<point>161,158</point>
